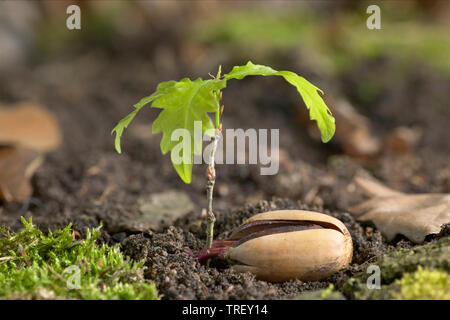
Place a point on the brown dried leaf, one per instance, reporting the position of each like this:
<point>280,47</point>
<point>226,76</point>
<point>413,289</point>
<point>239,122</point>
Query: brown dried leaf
<point>17,166</point>
<point>413,215</point>
<point>354,131</point>
<point>29,125</point>
<point>403,139</point>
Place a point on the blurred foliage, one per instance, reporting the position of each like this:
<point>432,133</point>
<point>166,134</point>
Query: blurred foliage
<point>329,37</point>
<point>406,42</point>
<point>333,41</point>
<point>260,27</point>
<point>99,29</point>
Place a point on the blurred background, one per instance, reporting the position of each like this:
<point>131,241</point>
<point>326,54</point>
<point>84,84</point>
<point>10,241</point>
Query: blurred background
<point>388,89</point>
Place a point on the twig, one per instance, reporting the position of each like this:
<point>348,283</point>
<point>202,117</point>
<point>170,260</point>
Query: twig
<point>74,244</point>
<point>24,255</point>
<point>60,277</point>
<point>7,258</point>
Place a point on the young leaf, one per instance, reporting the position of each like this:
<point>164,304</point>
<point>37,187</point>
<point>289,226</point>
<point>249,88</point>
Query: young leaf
<point>186,102</point>
<point>162,89</point>
<point>318,110</point>
<point>183,102</point>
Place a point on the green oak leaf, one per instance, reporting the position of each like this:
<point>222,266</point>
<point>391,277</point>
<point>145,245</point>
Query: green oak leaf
<point>318,110</point>
<point>183,102</point>
<point>189,101</point>
<point>162,89</point>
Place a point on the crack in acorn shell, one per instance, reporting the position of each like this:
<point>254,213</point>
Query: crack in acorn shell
<point>261,228</point>
<point>274,229</point>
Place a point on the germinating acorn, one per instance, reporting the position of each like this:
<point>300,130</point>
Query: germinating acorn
<point>286,244</point>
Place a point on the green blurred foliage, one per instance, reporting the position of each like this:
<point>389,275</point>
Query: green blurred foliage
<point>334,41</point>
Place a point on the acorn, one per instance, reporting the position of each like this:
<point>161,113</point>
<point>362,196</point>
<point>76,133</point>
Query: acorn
<point>282,245</point>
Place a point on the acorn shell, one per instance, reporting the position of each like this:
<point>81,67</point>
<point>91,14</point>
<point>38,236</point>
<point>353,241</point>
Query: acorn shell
<point>310,254</point>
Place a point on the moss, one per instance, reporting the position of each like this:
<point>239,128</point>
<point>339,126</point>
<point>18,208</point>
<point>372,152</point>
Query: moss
<point>38,266</point>
<point>399,267</point>
<point>424,284</point>
<point>325,294</point>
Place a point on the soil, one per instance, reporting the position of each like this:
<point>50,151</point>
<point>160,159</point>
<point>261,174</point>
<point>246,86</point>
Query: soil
<point>85,182</point>
<point>179,276</point>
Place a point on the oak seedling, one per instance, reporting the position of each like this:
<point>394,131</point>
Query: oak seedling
<point>184,102</point>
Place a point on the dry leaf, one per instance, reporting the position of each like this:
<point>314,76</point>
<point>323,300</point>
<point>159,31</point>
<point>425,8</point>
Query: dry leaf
<point>403,139</point>
<point>169,205</point>
<point>354,132</point>
<point>413,215</point>
<point>17,166</point>
<point>29,125</point>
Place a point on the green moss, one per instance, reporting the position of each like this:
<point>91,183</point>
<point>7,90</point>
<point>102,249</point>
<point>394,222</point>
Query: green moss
<point>38,266</point>
<point>424,284</point>
<point>399,267</point>
<point>324,294</point>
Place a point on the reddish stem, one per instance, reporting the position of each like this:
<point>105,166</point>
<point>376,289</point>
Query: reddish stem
<point>218,248</point>
<point>206,254</point>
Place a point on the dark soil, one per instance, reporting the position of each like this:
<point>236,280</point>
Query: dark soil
<point>179,276</point>
<point>86,182</point>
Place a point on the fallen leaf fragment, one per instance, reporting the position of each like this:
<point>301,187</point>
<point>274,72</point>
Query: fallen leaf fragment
<point>403,139</point>
<point>167,205</point>
<point>17,166</point>
<point>29,125</point>
<point>413,215</point>
<point>354,132</point>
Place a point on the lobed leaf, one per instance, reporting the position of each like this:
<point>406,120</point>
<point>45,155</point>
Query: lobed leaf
<point>318,110</point>
<point>161,90</point>
<point>185,101</point>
